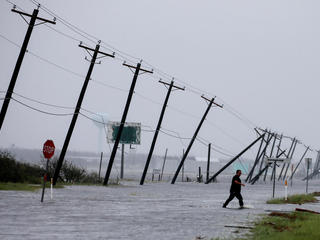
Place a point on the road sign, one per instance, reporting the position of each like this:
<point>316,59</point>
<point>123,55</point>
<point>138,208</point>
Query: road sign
<point>284,160</point>
<point>131,133</point>
<point>48,149</point>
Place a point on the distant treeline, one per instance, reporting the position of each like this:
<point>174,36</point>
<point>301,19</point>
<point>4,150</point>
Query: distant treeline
<point>14,171</point>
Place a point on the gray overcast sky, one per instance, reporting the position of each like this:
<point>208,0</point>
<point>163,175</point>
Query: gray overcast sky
<point>260,58</point>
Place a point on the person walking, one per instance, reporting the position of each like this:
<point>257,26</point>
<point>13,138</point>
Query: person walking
<point>235,190</point>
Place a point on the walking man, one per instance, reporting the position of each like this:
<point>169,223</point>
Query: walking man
<point>235,190</point>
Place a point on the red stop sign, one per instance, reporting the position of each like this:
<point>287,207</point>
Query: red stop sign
<point>48,149</point>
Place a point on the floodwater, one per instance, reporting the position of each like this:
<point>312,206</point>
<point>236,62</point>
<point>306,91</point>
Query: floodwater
<point>156,210</point>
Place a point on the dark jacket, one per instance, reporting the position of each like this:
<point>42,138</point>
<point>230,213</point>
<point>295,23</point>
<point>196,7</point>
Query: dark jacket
<point>235,187</point>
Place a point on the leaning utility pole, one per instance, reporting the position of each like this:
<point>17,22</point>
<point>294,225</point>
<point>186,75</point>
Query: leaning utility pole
<point>23,50</point>
<point>278,150</point>
<point>270,136</point>
<point>194,137</point>
<point>289,153</point>
<point>123,119</point>
<point>171,85</point>
<point>259,157</point>
<point>307,149</point>
<point>256,160</point>
<point>285,173</point>
<point>78,107</point>
<point>274,141</point>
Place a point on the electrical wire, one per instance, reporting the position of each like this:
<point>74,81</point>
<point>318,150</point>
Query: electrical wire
<point>43,103</point>
<point>109,86</point>
<point>129,58</point>
<point>92,38</point>
<point>38,110</point>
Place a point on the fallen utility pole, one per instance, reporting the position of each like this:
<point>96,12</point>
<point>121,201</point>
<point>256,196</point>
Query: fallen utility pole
<point>256,178</point>
<point>124,116</point>
<point>271,152</point>
<point>270,136</point>
<point>78,106</point>
<point>261,155</point>
<point>265,169</point>
<point>316,168</point>
<point>289,153</point>
<point>194,137</point>
<point>294,148</point>
<point>278,149</point>
<point>256,160</point>
<point>23,50</point>
<point>307,149</point>
<point>235,158</point>
<point>154,140</point>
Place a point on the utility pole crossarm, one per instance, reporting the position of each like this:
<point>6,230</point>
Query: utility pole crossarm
<point>91,49</point>
<point>29,15</point>
<point>174,86</point>
<point>207,99</point>
<point>141,69</point>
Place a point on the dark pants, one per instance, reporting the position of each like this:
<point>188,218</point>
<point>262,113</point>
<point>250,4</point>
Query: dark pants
<point>232,195</point>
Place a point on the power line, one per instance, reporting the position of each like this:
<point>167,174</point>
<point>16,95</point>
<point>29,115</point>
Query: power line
<point>205,144</point>
<point>38,110</point>
<point>109,86</point>
<point>91,38</point>
<point>43,103</point>
<point>84,34</point>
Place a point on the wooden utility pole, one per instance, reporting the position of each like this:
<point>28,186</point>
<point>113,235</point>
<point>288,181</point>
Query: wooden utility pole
<point>78,107</point>
<point>23,50</point>
<point>164,162</point>
<point>194,137</point>
<point>171,85</point>
<point>123,119</point>
<point>208,163</point>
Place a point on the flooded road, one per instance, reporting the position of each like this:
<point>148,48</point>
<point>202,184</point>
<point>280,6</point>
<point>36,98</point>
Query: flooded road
<point>130,211</point>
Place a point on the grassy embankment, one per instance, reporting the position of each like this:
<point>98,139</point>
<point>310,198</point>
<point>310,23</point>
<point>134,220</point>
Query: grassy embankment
<point>287,226</point>
<point>296,199</point>
<point>10,186</point>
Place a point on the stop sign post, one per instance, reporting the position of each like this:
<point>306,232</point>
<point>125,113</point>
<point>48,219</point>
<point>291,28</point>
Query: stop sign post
<point>48,151</point>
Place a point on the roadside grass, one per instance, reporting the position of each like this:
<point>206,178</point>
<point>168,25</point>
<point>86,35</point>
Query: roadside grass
<point>287,226</point>
<point>296,199</point>
<point>10,186</point>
